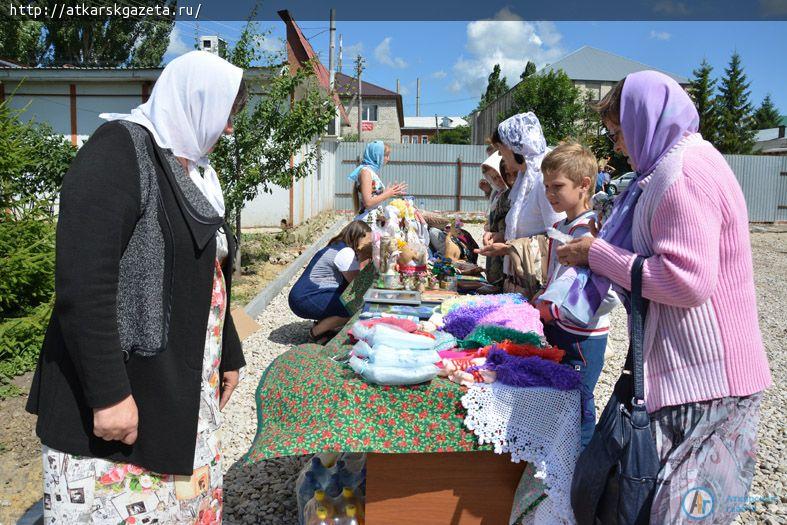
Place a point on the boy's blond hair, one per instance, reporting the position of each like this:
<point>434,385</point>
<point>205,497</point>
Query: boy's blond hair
<point>575,162</point>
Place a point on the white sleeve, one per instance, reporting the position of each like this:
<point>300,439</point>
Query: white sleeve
<point>345,260</point>
<point>537,213</point>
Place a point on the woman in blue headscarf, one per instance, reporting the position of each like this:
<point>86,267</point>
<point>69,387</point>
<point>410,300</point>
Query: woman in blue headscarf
<point>368,190</point>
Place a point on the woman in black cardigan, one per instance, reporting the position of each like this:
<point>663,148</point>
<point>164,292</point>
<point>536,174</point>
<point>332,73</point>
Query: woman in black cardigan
<point>141,353</point>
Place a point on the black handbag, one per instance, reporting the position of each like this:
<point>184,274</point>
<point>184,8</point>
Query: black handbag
<point>615,476</point>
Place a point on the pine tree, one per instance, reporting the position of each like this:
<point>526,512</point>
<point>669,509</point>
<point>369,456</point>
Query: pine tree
<point>736,131</point>
<point>495,87</point>
<point>702,90</point>
<point>767,116</point>
<point>530,69</point>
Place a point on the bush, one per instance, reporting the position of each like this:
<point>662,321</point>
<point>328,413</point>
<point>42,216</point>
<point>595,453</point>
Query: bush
<point>33,164</point>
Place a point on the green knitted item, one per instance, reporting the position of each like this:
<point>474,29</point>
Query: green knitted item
<point>485,335</point>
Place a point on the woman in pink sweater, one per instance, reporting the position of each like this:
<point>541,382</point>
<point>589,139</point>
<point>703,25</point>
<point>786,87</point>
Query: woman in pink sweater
<point>705,365</point>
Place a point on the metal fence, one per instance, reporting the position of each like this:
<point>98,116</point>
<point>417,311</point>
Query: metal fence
<point>444,177</point>
<point>441,177</point>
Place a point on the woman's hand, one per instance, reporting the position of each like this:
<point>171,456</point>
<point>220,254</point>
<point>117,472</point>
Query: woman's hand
<point>536,296</point>
<point>117,422</point>
<point>545,312</point>
<point>496,249</point>
<point>576,252</point>
<point>228,383</point>
<point>486,240</point>
<point>397,189</point>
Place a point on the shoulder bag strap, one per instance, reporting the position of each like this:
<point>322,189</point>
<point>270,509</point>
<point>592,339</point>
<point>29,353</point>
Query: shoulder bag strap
<point>639,308</point>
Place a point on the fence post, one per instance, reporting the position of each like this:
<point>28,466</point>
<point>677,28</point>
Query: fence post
<point>459,183</point>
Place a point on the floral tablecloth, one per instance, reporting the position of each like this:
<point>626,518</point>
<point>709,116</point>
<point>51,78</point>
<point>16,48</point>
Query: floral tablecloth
<point>308,403</point>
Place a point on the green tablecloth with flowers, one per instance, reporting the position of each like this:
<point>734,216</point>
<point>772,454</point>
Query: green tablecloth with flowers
<point>307,403</point>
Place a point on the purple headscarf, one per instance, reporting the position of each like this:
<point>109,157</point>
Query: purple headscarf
<point>655,114</point>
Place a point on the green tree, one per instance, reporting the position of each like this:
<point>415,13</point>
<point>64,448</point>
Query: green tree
<point>702,89</point>
<point>530,69</point>
<point>495,87</point>
<point>20,40</point>
<point>108,42</point>
<point>767,116</point>
<point>32,166</point>
<point>457,135</point>
<point>556,101</point>
<point>735,129</point>
<point>289,115</point>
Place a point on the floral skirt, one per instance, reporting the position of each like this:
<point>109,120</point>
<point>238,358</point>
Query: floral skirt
<point>91,490</point>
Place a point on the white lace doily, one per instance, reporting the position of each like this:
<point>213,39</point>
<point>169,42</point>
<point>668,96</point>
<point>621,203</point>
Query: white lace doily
<point>537,425</point>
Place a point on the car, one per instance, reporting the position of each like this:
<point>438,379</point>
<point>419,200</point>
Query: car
<point>619,185</point>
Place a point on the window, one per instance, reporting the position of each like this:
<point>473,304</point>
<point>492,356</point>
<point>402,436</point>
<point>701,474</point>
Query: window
<point>206,44</point>
<point>415,139</point>
<point>370,112</point>
<point>405,139</point>
<point>425,139</point>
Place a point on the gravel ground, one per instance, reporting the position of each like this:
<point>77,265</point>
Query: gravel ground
<point>264,493</point>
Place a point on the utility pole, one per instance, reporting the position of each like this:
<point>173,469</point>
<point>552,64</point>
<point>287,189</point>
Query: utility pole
<point>437,127</point>
<point>358,70</point>
<point>331,48</point>
<point>397,86</point>
<point>339,66</point>
<point>418,98</point>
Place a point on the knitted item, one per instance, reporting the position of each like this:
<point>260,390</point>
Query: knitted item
<point>550,353</point>
<point>522,317</point>
<point>481,300</point>
<point>463,320</point>
<point>485,335</point>
<point>444,341</point>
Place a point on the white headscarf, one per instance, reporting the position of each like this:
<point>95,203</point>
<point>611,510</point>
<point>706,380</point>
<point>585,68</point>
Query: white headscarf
<point>187,112</point>
<point>522,134</point>
<point>493,162</point>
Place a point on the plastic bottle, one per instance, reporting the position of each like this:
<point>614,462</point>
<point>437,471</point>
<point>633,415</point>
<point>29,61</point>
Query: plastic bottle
<point>350,516</point>
<point>304,489</point>
<point>318,501</point>
<point>348,501</point>
<point>320,517</point>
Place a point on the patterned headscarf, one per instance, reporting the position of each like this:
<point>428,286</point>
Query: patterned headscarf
<point>522,134</point>
<point>372,158</point>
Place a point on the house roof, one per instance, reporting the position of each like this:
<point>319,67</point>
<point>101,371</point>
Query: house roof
<point>298,46</point>
<point>429,122</point>
<point>347,86</point>
<point>590,63</point>
<point>766,134</point>
<point>772,147</point>
<point>99,74</point>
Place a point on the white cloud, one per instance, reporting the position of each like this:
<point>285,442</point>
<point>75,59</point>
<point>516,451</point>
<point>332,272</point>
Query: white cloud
<point>660,35</point>
<point>177,44</point>
<point>383,54</point>
<point>507,40</point>
<point>439,74</point>
<point>404,90</point>
<point>350,52</point>
<point>271,44</point>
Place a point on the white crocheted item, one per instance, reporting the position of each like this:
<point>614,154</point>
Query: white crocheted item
<point>537,425</point>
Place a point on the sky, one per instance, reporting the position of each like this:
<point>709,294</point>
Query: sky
<point>453,59</point>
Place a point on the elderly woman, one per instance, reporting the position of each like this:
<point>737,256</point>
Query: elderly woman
<point>705,366</point>
<point>141,353</point>
<point>522,145</point>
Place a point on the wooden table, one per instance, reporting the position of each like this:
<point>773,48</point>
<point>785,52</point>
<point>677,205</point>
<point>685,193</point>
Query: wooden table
<point>456,488</point>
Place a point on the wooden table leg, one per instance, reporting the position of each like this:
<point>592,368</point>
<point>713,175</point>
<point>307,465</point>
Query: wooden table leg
<point>456,488</point>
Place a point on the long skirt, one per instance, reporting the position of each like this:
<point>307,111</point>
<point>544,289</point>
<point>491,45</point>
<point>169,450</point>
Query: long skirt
<point>91,490</point>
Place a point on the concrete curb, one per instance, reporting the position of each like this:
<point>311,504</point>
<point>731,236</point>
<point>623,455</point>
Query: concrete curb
<point>257,305</point>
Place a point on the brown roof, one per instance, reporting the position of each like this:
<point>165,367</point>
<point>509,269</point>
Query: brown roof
<point>299,48</point>
<point>347,86</point>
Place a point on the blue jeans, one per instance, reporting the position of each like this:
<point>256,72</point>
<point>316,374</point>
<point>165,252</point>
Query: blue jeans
<point>586,355</point>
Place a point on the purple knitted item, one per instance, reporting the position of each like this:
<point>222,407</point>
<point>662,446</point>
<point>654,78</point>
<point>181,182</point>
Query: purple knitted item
<point>463,320</point>
<point>534,372</point>
<point>521,317</point>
